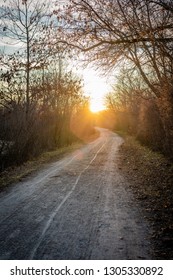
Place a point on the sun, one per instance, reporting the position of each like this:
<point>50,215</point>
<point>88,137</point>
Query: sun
<point>96,106</point>
<point>96,87</point>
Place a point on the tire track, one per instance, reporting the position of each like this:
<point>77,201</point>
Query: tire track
<point>54,213</point>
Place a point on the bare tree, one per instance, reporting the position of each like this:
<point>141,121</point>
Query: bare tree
<point>139,31</point>
<point>25,23</point>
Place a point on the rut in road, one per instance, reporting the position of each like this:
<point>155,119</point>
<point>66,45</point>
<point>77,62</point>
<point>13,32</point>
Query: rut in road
<point>77,208</point>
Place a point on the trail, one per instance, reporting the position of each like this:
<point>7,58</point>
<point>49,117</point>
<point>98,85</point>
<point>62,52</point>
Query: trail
<point>79,207</point>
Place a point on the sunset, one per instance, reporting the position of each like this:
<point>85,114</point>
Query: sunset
<point>86,138</point>
<point>96,105</point>
<point>96,87</point>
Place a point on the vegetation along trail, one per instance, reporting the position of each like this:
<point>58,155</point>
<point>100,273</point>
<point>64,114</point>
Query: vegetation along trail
<point>76,208</point>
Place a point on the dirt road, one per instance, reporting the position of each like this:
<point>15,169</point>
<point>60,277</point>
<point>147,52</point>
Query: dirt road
<point>76,208</point>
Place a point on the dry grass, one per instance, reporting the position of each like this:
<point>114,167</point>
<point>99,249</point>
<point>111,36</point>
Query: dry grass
<point>151,180</point>
<point>16,173</point>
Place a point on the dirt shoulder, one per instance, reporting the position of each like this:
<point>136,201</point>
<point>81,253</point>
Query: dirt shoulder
<point>151,180</point>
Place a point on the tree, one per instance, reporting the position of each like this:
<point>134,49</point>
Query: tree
<point>139,31</point>
<point>39,95</point>
<point>108,30</point>
<point>25,23</point>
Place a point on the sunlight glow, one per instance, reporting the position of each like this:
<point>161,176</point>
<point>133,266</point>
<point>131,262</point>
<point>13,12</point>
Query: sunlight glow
<point>96,105</point>
<point>96,88</point>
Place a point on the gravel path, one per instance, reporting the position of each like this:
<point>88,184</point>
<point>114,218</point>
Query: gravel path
<point>76,208</point>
